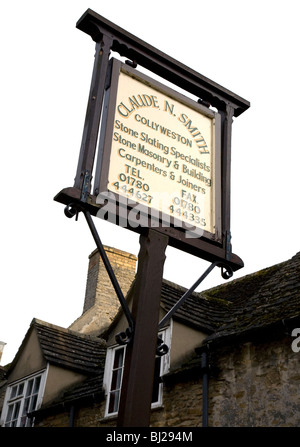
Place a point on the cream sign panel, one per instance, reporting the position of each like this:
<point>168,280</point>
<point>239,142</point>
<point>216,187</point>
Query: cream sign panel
<point>163,153</point>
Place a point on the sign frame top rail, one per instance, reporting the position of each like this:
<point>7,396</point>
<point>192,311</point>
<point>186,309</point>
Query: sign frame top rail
<point>128,45</point>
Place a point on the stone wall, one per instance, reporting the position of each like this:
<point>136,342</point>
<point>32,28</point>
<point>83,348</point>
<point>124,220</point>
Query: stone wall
<point>182,406</point>
<point>59,419</point>
<point>256,385</point>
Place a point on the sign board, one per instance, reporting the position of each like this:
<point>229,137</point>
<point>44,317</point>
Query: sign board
<point>159,154</point>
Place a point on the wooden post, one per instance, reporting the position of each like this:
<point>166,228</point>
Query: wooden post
<point>136,394</point>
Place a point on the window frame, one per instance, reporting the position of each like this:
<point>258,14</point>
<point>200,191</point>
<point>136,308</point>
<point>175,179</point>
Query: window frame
<point>116,375</point>
<point>19,394</point>
<point>165,333</point>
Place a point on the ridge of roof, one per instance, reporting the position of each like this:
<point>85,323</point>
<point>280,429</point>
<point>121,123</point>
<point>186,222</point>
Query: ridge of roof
<point>68,332</point>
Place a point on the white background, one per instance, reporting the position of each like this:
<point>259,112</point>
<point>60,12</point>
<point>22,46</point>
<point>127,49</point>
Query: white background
<point>249,47</point>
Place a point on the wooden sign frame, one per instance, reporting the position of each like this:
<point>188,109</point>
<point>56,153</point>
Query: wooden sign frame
<point>111,38</point>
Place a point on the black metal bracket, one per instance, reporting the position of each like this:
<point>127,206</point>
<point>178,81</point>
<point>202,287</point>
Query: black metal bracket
<point>72,210</point>
<point>123,338</point>
<point>226,272</point>
<point>126,337</point>
<point>161,348</point>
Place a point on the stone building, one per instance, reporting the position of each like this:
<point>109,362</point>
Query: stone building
<point>233,357</point>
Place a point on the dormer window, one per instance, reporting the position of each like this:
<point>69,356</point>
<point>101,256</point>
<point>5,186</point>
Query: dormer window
<point>21,398</point>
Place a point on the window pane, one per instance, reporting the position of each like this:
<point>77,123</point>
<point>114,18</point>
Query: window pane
<point>37,384</point>
<point>116,380</point>
<point>33,403</point>
<point>29,387</point>
<point>16,410</point>
<point>118,360</point>
<point>114,402</point>
<point>9,413</point>
<point>20,389</point>
<point>13,391</point>
<point>119,379</point>
<point>26,406</point>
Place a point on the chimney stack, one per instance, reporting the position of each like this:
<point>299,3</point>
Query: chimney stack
<point>101,303</point>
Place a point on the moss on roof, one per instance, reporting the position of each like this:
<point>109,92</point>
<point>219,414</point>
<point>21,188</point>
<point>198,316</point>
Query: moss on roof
<point>253,301</point>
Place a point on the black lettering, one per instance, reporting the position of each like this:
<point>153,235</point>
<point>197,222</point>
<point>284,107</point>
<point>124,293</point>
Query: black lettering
<point>182,118</point>
<point>169,107</point>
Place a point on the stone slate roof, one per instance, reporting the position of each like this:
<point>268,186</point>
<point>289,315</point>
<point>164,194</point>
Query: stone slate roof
<point>253,302</point>
<point>66,348</point>
<point>89,390</point>
<point>69,349</point>
<point>237,306</point>
<point>91,386</point>
<point>197,311</point>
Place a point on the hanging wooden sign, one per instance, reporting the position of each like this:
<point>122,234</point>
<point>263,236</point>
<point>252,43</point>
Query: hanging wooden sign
<point>163,159</point>
<point>159,155</point>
